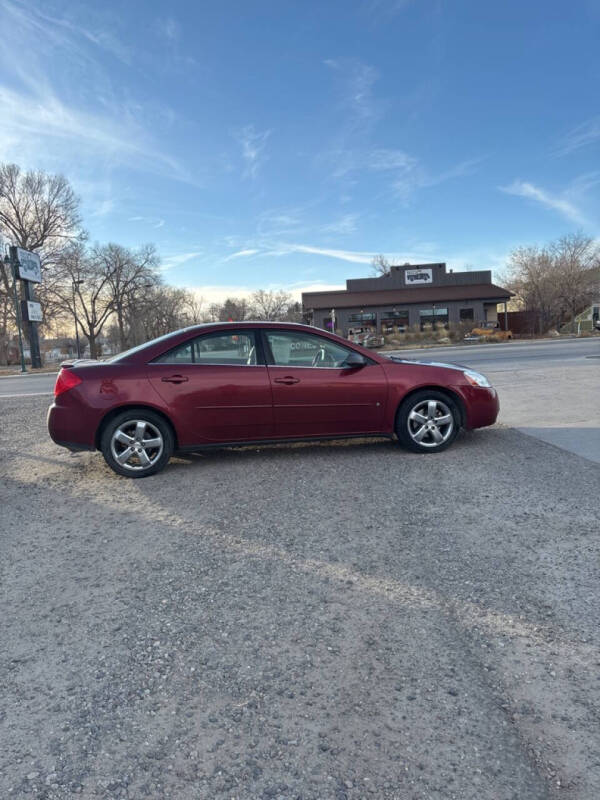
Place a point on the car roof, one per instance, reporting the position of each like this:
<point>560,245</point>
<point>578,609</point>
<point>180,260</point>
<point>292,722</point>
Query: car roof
<point>246,323</point>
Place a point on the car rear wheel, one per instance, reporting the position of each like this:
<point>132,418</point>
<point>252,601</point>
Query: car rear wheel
<point>137,443</point>
<point>427,421</point>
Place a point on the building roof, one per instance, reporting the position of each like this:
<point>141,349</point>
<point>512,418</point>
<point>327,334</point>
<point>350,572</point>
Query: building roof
<point>395,297</point>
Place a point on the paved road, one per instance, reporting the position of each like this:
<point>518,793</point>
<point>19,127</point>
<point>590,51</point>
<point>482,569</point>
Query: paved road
<point>513,355</point>
<point>321,622</point>
<point>29,384</point>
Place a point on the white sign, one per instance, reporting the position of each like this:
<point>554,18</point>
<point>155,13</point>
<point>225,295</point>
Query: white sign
<point>34,312</point>
<point>30,267</point>
<point>412,276</point>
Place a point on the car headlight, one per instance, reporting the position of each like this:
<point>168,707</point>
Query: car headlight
<point>477,379</point>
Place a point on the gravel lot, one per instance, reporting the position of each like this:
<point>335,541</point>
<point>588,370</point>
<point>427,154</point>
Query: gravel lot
<point>324,621</point>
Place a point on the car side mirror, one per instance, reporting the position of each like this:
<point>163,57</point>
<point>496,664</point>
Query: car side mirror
<point>354,360</point>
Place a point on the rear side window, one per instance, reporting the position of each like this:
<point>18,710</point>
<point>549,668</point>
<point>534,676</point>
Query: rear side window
<point>236,348</point>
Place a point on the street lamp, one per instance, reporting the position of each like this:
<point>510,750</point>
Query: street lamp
<point>76,283</point>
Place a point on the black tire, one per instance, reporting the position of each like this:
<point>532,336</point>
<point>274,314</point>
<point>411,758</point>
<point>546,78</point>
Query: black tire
<point>409,422</point>
<point>156,430</point>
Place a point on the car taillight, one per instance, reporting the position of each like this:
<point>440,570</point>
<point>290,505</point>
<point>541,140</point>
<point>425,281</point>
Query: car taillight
<point>66,380</point>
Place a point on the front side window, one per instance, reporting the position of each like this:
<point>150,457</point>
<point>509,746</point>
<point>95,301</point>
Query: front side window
<point>236,348</point>
<point>292,349</point>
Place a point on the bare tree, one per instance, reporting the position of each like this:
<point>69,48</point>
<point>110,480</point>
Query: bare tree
<point>129,274</point>
<point>577,261</point>
<point>38,212</point>
<point>530,275</point>
<point>557,281</point>
<point>233,308</point>
<point>268,305</point>
<point>163,309</point>
<point>294,312</point>
<point>84,290</point>
<point>380,265</point>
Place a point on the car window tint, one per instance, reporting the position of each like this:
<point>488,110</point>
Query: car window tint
<point>292,349</point>
<point>214,348</point>
<point>178,355</point>
<point>225,348</point>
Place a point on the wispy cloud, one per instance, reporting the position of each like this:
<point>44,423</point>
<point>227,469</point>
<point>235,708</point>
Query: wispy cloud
<point>74,109</point>
<point>178,259</point>
<point>383,159</point>
<point>415,176</point>
<point>404,173</point>
<point>28,120</point>
<point>154,222</point>
<point>557,202</point>
<point>356,89</point>
<point>346,224</point>
<point>581,136</point>
<point>386,7</point>
<point>169,29</point>
<point>64,32</point>
<point>103,208</point>
<point>343,255</point>
<point>253,144</point>
<point>250,251</point>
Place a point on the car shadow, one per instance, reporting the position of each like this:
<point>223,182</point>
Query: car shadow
<point>307,449</point>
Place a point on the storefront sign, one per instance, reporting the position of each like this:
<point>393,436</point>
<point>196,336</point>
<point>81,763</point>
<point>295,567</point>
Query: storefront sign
<point>412,276</point>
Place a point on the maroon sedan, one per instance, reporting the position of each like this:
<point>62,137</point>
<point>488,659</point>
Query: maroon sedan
<point>238,383</point>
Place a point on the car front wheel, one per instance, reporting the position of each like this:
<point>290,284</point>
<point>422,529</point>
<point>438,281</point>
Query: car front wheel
<point>427,421</point>
<point>137,443</point>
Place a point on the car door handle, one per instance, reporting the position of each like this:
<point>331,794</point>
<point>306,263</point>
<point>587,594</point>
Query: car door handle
<point>174,379</point>
<point>288,380</point>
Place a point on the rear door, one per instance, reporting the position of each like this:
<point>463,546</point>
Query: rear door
<point>217,388</point>
<point>314,394</point>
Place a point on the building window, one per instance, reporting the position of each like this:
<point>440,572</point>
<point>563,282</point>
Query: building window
<point>433,317</point>
<point>394,320</point>
<point>364,316</point>
<point>467,315</point>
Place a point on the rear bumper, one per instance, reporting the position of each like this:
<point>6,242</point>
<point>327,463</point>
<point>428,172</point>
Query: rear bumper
<point>68,428</point>
<point>482,406</point>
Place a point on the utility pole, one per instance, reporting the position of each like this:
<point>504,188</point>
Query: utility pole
<point>27,268</point>
<point>76,283</point>
<point>8,261</point>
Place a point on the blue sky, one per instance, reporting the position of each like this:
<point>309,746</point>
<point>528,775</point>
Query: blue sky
<point>281,144</point>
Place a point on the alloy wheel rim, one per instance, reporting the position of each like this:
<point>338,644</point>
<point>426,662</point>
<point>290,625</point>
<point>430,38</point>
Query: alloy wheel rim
<point>136,445</point>
<point>430,423</point>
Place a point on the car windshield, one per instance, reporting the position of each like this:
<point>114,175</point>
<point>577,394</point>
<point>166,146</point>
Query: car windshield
<point>126,353</point>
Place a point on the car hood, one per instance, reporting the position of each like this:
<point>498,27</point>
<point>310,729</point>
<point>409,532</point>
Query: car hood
<point>425,363</point>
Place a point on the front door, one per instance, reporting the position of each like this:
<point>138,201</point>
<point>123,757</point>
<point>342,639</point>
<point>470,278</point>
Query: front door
<point>314,394</point>
<point>217,388</point>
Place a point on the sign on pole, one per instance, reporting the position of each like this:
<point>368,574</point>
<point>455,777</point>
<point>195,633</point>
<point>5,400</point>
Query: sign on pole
<point>29,265</point>
<point>31,311</point>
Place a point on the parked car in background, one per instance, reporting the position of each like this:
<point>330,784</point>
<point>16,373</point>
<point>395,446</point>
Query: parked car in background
<point>230,384</point>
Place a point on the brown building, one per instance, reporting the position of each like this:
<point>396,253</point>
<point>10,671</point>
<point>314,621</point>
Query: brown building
<point>409,295</point>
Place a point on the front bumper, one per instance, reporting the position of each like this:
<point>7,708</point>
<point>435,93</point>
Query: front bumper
<point>482,406</point>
